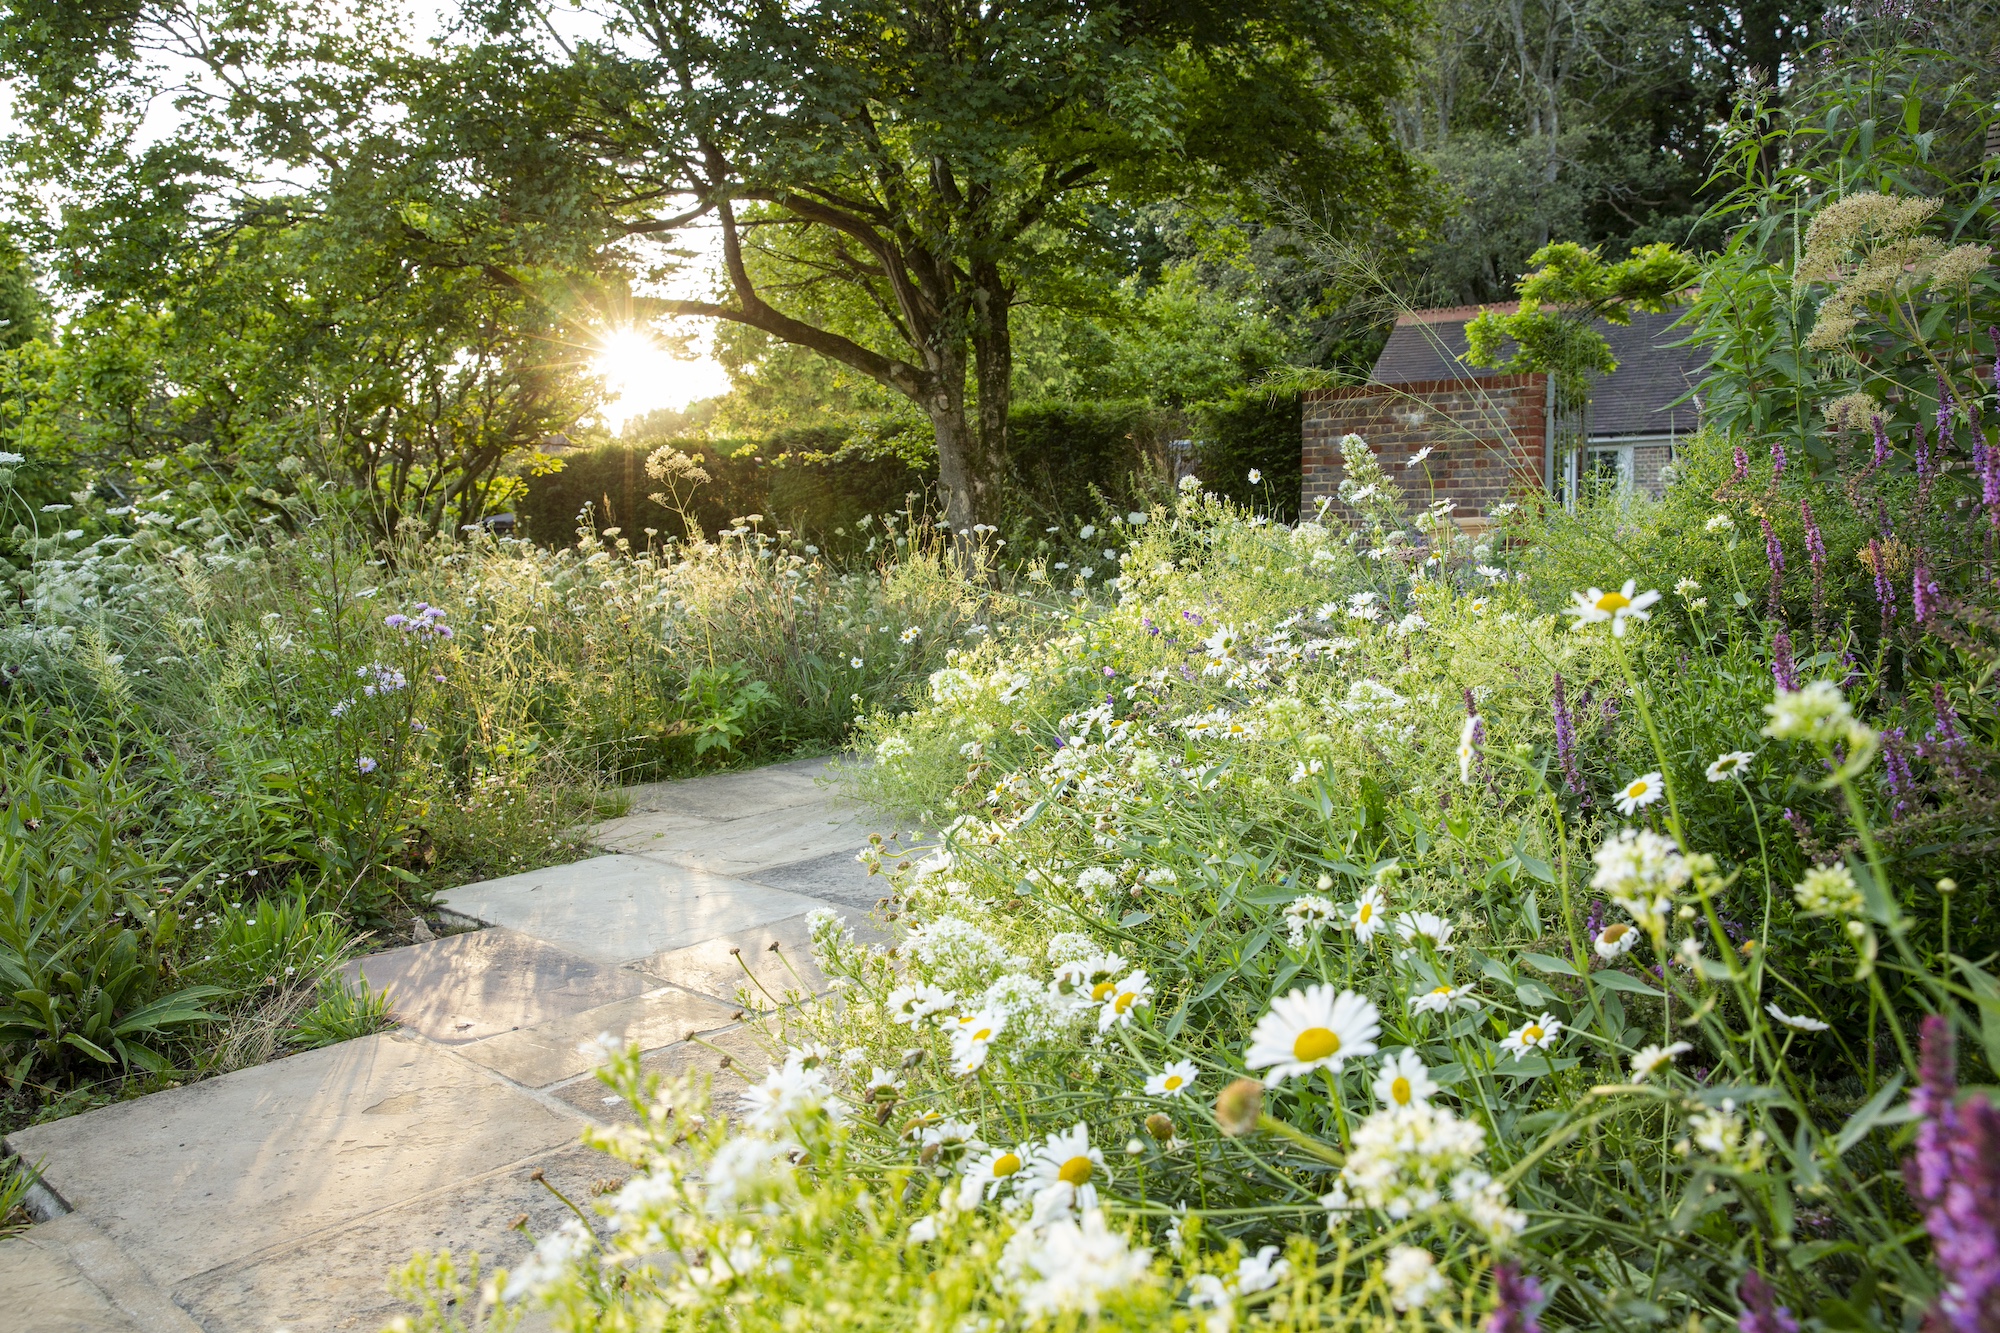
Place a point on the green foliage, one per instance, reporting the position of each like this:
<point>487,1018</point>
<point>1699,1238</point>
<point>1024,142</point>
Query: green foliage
<point>269,942</point>
<point>341,1013</point>
<point>1253,430</point>
<point>1553,329</point>
<point>722,704</point>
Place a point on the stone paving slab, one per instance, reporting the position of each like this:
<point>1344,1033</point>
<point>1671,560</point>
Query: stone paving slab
<point>43,1286</point>
<point>337,1281</point>
<point>617,909</point>
<point>738,846</point>
<point>745,961</point>
<point>748,1053</point>
<point>835,878</point>
<point>469,987</point>
<point>734,795</point>
<point>549,1054</point>
<point>201,1176</point>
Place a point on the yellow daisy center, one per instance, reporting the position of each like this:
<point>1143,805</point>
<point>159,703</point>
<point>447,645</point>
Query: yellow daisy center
<point>1613,601</point>
<point>1531,1034</point>
<point>1102,989</point>
<point>1638,789</point>
<point>1315,1044</point>
<point>984,1034</point>
<point>1124,1001</point>
<point>1367,912</point>
<point>1441,990</point>
<point>1173,1083</point>
<point>1399,1091</point>
<point>1006,1164</point>
<point>1076,1171</point>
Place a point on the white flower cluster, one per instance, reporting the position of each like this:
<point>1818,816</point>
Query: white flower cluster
<point>1408,1159</point>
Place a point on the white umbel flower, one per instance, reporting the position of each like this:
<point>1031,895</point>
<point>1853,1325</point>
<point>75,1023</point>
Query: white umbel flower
<point>1412,1278</point>
<point>1069,1266</point>
<point>1312,1029</point>
<point>1404,1081</point>
<point>1640,870</point>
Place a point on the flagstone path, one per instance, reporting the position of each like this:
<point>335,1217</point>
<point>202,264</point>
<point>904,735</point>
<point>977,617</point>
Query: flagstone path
<point>279,1197</point>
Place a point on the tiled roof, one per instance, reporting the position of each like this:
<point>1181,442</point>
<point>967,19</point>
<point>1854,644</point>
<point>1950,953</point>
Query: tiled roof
<point>1632,400</point>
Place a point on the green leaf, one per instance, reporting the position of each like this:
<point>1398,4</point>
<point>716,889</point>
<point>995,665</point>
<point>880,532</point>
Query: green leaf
<point>89,1048</point>
<point>1542,962</point>
<point>1868,1116</point>
<point>1610,978</point>
<point>1986,993</point>
<point>1135,918</point>
<point>1534,1066</point>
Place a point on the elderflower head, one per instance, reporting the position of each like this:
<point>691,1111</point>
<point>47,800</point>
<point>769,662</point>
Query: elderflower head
<point>1819,713</point>
<point>1598,606</point>
<point>1412,1277</point>
<point>1829,891</point>
<point>1641,870</point>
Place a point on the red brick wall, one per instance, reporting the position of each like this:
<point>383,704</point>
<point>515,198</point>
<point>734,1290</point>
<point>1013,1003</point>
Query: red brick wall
<point>1486,438</point>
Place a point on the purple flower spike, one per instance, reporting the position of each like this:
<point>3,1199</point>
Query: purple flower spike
<point>1742,465</point>
<point>1955,1176</point>
<point>1885,590</point>
<point>1774,550</point>
<point>1517,1299</point>
<point>1896,773</point>
<point>1924,595</point>
<point>1761,1311</point>
<point>1945,406</point>
<point>1777,460</point>
<point>1566,740</point>
<point>1782,671</point>
<point>1881,445</point>
<point>1815,544</point>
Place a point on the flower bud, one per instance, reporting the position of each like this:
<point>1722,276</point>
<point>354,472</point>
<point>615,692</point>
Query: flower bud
<point>1160,1125</point>
<point>1238,1106</point>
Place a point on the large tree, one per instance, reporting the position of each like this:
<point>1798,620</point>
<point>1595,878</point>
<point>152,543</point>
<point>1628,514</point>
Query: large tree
<point>887,180</point>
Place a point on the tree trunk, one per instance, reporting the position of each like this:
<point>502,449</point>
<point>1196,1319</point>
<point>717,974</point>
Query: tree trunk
<point>993,373</point>
<point>957,443</point>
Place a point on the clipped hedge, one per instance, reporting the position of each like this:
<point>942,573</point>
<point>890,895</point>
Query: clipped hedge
<point>1252,428</point>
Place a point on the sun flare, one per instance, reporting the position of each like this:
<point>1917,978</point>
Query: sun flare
<point>641,374</point>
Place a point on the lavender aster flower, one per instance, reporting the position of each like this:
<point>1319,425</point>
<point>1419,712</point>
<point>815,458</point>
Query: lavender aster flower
<point>1517,1299</point>
<point>1782,670</point>
<point>1566,741</point>
<point>1761,1311</point>
<point>1955,1176</point>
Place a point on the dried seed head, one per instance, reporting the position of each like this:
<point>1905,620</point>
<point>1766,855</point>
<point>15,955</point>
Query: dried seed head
<point>1160,1125</point>
<point>1238,1106</point>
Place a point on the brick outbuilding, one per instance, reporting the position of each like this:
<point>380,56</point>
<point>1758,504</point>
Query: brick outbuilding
<point>1493,436</point>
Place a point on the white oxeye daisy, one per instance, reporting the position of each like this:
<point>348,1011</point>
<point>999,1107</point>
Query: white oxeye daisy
<point>1441,998</point>
<point>1066,1158</point>
<point>1404,1081</point>
<point>1312,1029</point>
<point>1366,917</point>
<point>1419,456</point>
<point>1799,1021</point>
<point>988,1174</point>
<point>1132,993</point>
<point>1642,790</point>
<point>1597,606</point>
<point>854,662</point>
<point>1731,765</point>
<point>1256,477</point>
<point>1615,939</point>
<point>1173,1080</point>
<point>1537,1034</point>
<point>1411,926</point>
<point>907,1004</point>
<point>1651,1059</point>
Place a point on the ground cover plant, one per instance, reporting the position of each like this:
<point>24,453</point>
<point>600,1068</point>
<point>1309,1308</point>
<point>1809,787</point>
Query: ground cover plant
<point>235,753</point>
<point>1583,921</point>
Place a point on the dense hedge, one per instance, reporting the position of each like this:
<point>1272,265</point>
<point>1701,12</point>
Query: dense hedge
<point>1252,429</point>
<point>820,480</point>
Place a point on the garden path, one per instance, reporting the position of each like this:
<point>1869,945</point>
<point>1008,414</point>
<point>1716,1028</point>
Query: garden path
<point>279,1197</point>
